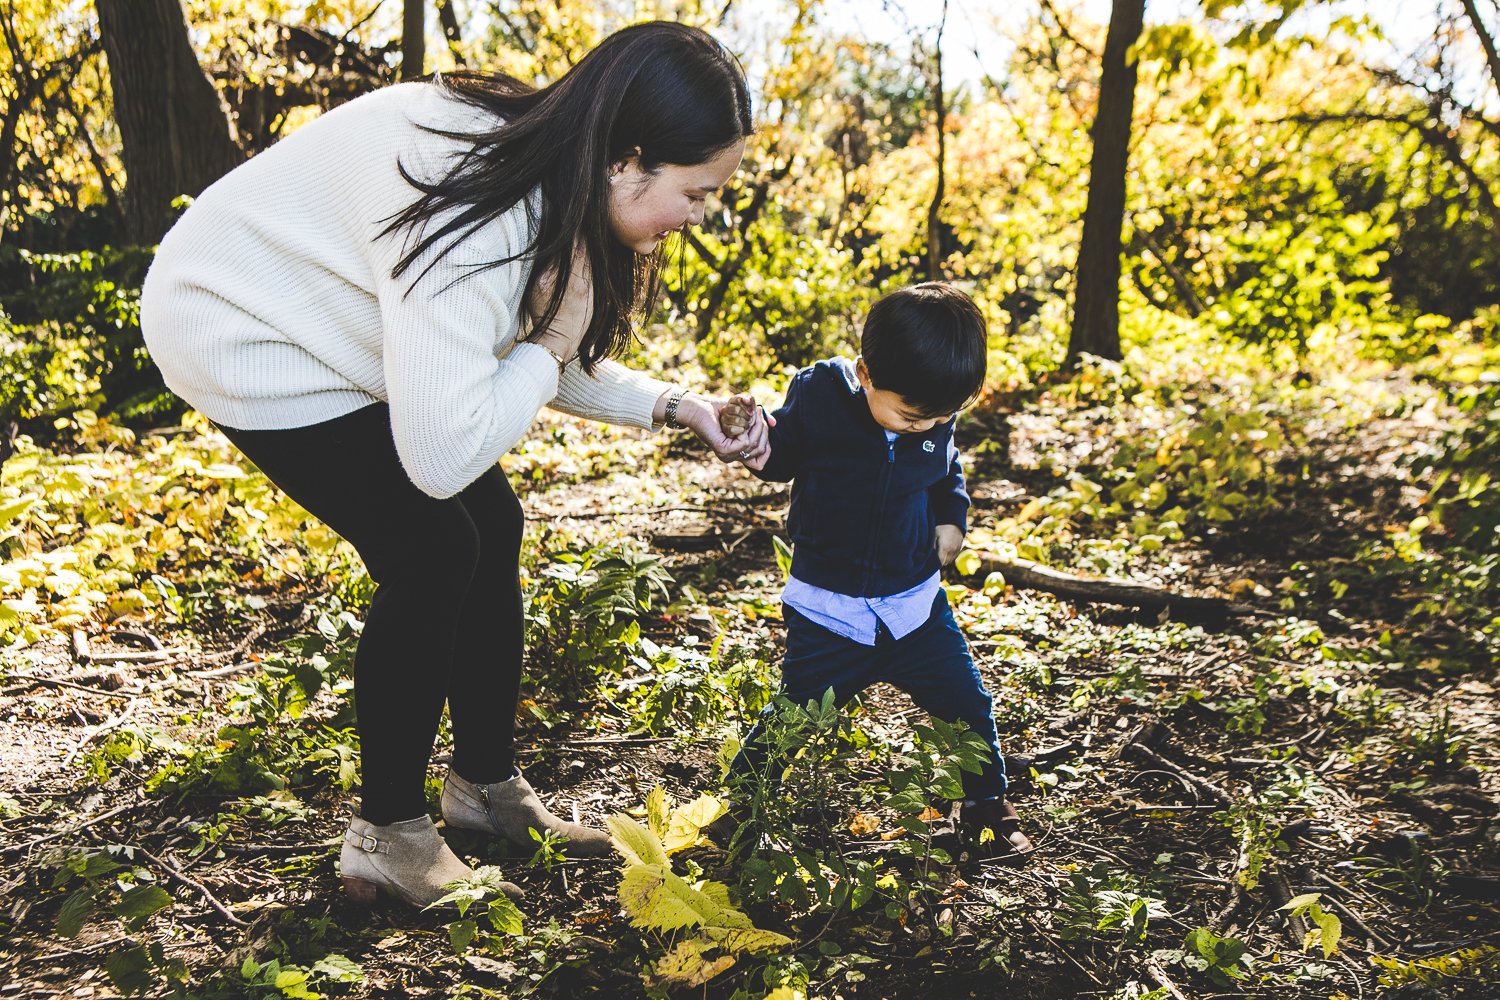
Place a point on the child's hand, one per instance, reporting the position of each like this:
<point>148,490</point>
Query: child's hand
<point>950,539</point>
<point>737,417</point>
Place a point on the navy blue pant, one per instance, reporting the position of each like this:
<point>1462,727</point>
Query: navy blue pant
<point>932,665</point>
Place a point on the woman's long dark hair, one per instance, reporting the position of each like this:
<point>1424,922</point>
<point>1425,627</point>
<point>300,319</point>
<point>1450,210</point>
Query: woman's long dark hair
<point>666,89</point>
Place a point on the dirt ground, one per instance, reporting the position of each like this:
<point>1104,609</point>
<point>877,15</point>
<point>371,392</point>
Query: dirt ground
<point>1405,853</point>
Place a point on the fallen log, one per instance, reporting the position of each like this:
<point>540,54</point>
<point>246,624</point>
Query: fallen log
<point>1028,575</point>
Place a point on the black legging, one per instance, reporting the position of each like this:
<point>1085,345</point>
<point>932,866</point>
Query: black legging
<point>446,620</point>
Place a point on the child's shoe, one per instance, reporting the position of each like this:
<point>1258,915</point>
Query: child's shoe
<point>998,817</point>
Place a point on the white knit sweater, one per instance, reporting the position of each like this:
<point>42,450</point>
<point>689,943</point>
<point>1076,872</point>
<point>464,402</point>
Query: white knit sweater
<point>271,304</point>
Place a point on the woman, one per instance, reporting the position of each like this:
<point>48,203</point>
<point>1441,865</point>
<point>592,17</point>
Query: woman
<point>375,309</point>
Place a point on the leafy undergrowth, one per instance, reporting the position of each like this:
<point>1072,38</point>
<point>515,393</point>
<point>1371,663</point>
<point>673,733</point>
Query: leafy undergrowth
<point>1299,802</point>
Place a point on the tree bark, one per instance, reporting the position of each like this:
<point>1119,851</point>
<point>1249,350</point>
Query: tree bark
<point>413,38</point>
<point>1096,301</point>
<point>1027,575</point>
<point>935,209</point>
<point>176,137</point>
<point>1491,56</point>
<point>448,18</point>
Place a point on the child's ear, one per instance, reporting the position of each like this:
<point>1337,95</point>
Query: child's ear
<point>862,372</point>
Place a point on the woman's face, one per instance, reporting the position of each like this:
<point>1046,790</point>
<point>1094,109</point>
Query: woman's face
<point>645,206</point>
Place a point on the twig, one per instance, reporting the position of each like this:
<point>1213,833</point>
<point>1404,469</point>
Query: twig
<point>100,730</point>
<point>32,682</point>
<point>85,950</point>
<point>18,848</point>
<point>1028,575</point>
<point>233,668</point>
<point>1208,788</point>
<point>1068,955</point>
<point>147,638</point>
<point>139,655</point>
<point>1281,894</point>
<point>1160,975</point>
<point>602,741</point>
<point>1376,939</point>
<point>1152,807</point>
<point>202,890</point>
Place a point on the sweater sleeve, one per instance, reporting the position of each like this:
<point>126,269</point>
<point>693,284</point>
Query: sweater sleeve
<point>455,407</point>
<point>949,496</point>
<point>614,394</point>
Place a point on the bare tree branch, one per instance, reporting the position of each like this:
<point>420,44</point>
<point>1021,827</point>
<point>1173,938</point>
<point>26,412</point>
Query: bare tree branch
<point>1486,39</point>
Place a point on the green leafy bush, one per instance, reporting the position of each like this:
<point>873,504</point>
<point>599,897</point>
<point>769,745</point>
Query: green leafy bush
<point>72,339</point>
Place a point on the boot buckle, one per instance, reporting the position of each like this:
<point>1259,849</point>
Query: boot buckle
<point>368,844</point>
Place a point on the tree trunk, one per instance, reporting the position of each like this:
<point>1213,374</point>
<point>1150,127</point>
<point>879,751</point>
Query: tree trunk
<point>1096,302</point>
<point>1491,56</point>
<point>935,209</point>
<point>448,18</point>
<point>413,38</point>
<point>176,137</point>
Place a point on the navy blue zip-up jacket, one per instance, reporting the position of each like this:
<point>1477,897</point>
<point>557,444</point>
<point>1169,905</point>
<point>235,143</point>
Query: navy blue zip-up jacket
<point>864,511</point>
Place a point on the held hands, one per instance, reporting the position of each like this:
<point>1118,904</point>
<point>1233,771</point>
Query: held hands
<point>950,539</point>
<point>564,333</point>
<point>737,417</point>
<point>702,415</point>
<point>741,416</point>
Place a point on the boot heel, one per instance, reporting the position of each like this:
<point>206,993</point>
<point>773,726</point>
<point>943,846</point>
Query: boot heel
<point>360,891</point>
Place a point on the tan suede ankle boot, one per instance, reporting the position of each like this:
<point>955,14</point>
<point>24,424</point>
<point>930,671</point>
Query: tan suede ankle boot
<point>508,809</point>
<point>409,859</point>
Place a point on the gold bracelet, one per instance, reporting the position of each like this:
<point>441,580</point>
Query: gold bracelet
<point>562,365</point>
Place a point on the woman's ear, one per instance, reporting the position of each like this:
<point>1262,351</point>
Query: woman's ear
<point>862,372</point>
<point>630,163</point>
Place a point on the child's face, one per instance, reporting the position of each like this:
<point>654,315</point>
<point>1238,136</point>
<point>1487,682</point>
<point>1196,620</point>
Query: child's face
<point>890,409</point>
<point>646,206</point>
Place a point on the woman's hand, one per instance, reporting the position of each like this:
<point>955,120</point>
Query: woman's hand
<point>563,335</point>
<point>701,415</point>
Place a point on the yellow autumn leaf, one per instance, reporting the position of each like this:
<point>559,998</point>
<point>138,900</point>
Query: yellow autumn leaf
<point>863,824</point>
<point>716,891</point>
<point>746,939</point>
<point>685,965</point>
<point>658,900</point>
<point>685,825</point>
<point>658,804</point>
<point>968,562</point>
<point>657,897</point>
<point>785,993</point>
<point>638,845</point>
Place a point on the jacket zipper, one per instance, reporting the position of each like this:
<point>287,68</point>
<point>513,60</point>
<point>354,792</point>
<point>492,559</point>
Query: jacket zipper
<point>881,491</point>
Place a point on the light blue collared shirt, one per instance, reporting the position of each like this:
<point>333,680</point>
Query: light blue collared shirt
<point>859,618</point>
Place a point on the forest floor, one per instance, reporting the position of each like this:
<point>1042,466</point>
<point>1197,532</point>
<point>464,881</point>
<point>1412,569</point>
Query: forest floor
<point>1336,735</point>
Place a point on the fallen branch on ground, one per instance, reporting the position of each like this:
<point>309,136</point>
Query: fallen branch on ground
<point>1027,575</point>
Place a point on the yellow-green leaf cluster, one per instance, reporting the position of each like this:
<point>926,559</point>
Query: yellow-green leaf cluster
<point>658,899</point>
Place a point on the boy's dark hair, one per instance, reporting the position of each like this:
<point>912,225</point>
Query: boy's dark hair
<point>928,344</point>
